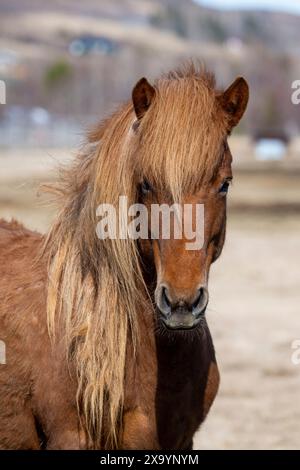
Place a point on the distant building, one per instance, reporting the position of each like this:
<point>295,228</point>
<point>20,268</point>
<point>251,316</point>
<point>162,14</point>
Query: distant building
<point>271,145</point>
<point>235,46</point>
<point>88,44</point>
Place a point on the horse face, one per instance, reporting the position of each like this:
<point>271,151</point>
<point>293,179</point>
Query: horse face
<point>181,292</point>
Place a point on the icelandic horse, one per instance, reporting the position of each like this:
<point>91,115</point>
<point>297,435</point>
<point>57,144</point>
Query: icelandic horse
<point>107,343</point>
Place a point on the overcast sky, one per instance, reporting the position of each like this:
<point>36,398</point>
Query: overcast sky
<point>292,6</point>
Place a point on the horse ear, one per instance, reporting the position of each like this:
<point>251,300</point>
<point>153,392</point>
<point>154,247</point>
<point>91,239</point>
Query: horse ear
<point>142,95</point>
<point>234,101</point>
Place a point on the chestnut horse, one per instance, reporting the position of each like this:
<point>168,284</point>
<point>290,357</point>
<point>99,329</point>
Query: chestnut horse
<point>107,344</point>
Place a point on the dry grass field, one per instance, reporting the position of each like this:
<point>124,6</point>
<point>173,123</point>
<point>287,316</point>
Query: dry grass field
<point>254,309</point>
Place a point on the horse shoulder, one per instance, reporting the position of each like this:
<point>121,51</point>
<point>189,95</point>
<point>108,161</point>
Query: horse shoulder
<point>40,394</point>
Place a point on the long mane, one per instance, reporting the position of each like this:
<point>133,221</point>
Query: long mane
<point>96,289</point>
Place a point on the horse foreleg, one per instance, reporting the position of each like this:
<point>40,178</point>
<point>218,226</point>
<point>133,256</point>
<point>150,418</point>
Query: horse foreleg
<point>17,429</point>
<point>67,439</point>
<point>139,431</point>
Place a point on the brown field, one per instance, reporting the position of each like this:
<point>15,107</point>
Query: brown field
<point>255,297</point>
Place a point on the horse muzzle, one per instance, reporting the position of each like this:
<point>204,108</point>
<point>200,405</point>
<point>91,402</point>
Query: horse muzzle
<point>178,313</point>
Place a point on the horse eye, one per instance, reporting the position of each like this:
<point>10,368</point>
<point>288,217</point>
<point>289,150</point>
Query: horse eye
<point>146,187</point>
<point>224,188</point>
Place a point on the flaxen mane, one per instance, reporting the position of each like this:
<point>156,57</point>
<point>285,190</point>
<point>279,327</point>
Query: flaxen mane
<point>96,288</point>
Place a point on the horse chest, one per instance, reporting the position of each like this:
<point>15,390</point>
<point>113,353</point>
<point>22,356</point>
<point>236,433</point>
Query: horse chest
<point>179,417</point>
<point>181,394</point>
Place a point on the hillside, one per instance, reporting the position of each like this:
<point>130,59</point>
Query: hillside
<point>145,37</point>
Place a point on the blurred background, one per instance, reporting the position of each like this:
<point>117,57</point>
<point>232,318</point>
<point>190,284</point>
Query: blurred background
<point>68,63</point>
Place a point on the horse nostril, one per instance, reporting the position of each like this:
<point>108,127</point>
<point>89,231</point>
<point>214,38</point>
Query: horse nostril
<point>200,303</point>
<point>165,298</point>
<point>198,298</point>
<point>163,301</point>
